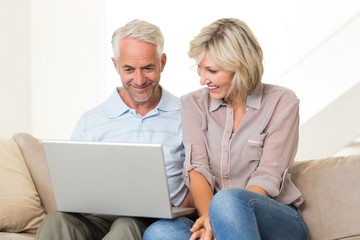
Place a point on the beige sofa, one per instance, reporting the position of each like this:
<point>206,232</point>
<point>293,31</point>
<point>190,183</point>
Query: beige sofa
<point>330,187</point>
<point>25,191</point>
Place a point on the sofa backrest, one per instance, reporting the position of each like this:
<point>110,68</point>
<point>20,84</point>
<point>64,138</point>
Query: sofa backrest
<point>33,153</point>
<point>331,189</point>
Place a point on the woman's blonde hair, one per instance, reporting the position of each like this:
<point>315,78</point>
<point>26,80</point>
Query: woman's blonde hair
<point>235,48</point>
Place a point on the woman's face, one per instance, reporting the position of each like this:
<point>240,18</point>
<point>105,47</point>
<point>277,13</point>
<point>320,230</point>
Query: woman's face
<point>217,79</point>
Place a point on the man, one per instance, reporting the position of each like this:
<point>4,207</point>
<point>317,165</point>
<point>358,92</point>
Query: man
<point>139,111</point>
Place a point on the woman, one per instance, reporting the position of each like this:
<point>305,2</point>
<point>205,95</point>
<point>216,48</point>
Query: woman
<point>240,138</point>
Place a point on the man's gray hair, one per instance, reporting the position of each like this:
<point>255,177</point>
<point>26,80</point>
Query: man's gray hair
<point>140,30</point>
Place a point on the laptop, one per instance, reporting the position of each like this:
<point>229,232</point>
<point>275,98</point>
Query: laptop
<point>122,179</point>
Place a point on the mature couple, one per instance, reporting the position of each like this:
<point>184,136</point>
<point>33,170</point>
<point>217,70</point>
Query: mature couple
<point>227,146</point>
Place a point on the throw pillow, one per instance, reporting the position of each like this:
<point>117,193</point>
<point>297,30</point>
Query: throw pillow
<point>20,207</point>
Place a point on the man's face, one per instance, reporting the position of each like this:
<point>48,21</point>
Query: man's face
<point>139,68</point>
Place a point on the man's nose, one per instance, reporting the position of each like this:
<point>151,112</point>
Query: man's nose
<point>139,78</point>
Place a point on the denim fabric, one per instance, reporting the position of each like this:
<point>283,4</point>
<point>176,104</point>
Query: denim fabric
<point>241,214</point>
<point>165,229</point>
<point>238,214</point>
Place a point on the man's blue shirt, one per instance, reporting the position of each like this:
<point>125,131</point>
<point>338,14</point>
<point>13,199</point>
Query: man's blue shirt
<point>114,121</point>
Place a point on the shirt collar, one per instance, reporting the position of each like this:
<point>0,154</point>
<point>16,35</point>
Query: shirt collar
<point>253,100</point>
<point>114,106</point>
<point>215,104</point>
<point>168,102</point>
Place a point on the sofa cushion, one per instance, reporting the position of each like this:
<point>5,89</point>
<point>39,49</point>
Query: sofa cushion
<point>34,155</point>
<point>20,210</point>
<point>331,192</point>
<point>16,236</point>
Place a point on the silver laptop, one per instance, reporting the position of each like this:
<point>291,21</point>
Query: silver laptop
<point>122,179</point>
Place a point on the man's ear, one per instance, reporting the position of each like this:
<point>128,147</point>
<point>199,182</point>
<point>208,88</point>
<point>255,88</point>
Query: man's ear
<point>163,61</point>
<point>115,63</point>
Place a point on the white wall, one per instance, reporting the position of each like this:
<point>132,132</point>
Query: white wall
<point>15,93</point>
<point>68,63</point>
<point>290,33</point>
<point>52,64</point>
<point>55,54</point>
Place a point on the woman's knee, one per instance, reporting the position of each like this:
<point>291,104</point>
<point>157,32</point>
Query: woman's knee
<point>158,230</point>
<point>163,229</point>
<point>152,231</point>
<point>229,199</point>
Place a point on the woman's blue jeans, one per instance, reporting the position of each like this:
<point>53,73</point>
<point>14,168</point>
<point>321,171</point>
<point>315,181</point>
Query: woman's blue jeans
<point>238,214</point>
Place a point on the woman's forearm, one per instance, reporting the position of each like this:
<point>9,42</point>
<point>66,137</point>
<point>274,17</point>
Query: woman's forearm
<point>200,191</point>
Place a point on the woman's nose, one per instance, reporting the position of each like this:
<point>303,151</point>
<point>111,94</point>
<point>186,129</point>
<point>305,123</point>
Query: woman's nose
<point>204,80</point>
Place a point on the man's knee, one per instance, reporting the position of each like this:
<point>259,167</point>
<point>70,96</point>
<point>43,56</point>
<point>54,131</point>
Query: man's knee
<point>55,220</point>
<point>126,228</point>
<point>124,222</point>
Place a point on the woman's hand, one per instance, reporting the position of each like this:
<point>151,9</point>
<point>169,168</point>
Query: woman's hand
<point>202,229</point>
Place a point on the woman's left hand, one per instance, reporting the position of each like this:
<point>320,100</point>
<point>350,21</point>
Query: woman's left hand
<point>202,229</point>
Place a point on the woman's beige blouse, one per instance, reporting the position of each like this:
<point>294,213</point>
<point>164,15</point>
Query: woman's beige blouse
<point>261,150</point>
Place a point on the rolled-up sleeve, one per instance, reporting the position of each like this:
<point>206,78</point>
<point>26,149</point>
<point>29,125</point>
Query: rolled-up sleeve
<point>202,168</point>
<point>194,125</point>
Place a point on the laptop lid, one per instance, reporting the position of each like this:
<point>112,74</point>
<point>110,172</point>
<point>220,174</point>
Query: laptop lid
<point>124,179</point>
